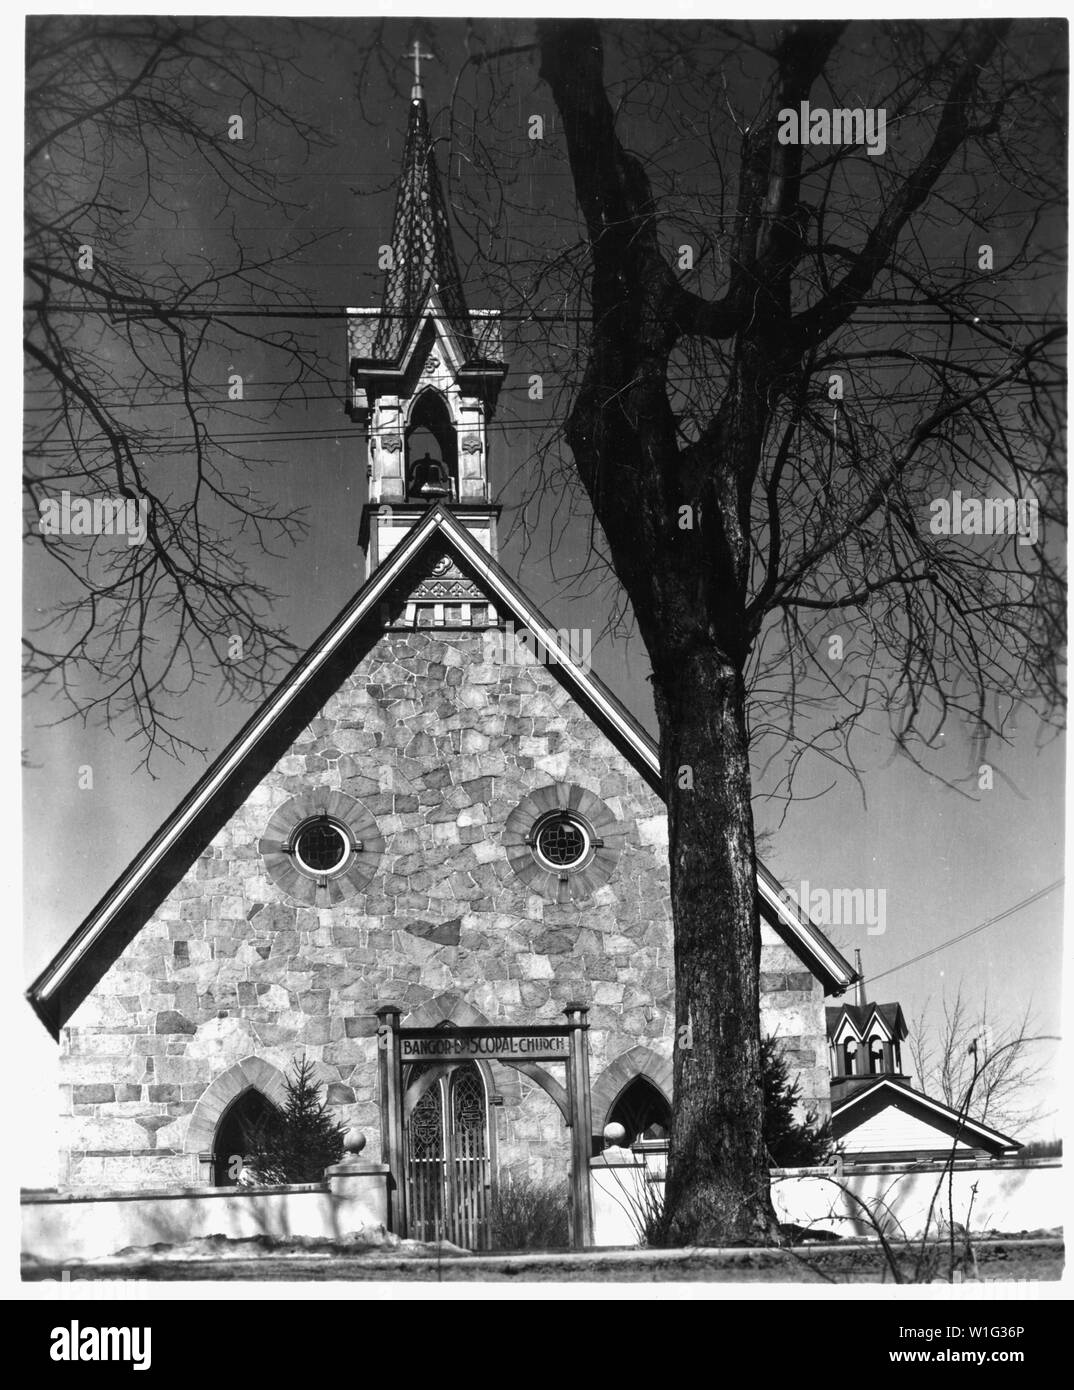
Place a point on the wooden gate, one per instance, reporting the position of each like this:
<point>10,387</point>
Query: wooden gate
<point>448,1174</point>
<point>434,1130</point>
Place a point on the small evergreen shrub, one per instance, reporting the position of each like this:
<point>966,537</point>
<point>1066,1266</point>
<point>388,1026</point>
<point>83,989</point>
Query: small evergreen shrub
<point>298,1143</point>
<point>791,1143</point>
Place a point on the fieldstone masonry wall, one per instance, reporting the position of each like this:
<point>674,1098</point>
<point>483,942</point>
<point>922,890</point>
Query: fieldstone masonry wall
<point>439,744</point>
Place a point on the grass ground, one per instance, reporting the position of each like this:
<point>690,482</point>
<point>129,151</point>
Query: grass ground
<point>997,1260</point>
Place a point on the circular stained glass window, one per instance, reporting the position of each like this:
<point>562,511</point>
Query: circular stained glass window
<point>321,846</point>
<point>561,841</point>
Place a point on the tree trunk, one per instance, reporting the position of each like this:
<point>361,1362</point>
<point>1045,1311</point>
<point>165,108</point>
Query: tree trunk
<point>717,1187</point>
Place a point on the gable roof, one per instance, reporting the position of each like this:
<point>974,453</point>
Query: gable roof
<point>79,964</point>
<point>865,1103</point>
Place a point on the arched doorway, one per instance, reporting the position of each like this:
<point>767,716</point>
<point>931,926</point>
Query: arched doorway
<point>449,1174</point>
<point>642,1111</point>
<point>243,1120</point>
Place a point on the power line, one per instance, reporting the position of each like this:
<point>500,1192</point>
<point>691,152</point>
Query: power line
<point>892,317</point>
<point>304,398</point>
<point>951,941</point>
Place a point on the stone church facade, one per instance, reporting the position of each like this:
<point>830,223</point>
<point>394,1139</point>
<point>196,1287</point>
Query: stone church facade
<point>426,814</point>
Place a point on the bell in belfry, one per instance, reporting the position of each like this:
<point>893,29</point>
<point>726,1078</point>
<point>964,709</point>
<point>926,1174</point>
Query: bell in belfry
<point>430,478</point>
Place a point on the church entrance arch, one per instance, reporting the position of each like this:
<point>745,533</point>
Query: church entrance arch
<point>434,1119</point>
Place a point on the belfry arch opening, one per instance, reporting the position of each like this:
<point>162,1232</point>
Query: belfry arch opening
<point>432,451</point>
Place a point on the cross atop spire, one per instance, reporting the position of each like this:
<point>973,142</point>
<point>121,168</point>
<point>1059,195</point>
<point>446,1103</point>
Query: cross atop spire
<point>416,93</point>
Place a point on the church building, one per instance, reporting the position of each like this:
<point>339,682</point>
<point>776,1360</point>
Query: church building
<point>441,808</point>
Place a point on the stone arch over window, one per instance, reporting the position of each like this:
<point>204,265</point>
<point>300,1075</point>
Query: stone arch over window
<point>639,1063</point>
<point>362,842</point>
<point>445,1008</point>
<point>430,439</point>
<point>598,833</point>
<point>449,1008</point>
<point>252,1073</point>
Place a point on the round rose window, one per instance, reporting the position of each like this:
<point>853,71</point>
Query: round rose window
<point>321,846</point>
<point>561,841</point>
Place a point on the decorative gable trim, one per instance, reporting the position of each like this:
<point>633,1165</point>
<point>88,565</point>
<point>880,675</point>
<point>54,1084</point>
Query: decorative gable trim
<point>64,982</point>
<point>877,1024</point>
<point>847,1031</point>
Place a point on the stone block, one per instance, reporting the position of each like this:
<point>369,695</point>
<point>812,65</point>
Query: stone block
<point>170,1021</point>
<point>442,933</point>
<point>93,1094</point>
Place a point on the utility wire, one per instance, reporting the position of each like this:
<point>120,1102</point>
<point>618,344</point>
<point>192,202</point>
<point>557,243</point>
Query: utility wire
<point>892,316</point>
<point>1009,912</point>
<point>303,398</point>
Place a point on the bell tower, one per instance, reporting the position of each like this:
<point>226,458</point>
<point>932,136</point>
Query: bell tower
<point>425,370</point>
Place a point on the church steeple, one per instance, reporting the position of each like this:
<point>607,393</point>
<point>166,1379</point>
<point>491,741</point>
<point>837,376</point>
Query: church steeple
<point>425,369</point>
<point>422,253</point>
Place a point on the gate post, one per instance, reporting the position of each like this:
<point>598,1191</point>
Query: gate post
<point>581,1125</point>
<point>391,1114</point>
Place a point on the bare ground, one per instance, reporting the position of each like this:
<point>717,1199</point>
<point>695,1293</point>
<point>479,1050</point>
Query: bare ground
<point>993,1260</point>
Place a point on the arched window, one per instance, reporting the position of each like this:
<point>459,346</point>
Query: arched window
<point>432,454</point>
<point>240,1125</point>
<point>642,1111</point>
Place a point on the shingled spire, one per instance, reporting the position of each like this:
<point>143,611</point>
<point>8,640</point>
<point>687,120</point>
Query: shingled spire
<point>423,256</point>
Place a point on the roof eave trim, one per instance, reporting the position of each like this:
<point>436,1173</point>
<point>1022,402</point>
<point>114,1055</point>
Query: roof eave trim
<point>841,974</point>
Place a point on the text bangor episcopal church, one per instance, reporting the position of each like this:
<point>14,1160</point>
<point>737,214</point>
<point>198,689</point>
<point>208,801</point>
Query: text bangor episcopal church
<point>416,817</point>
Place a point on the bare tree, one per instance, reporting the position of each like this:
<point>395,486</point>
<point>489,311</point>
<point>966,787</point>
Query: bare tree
<point>134,128</point>
<point>775,359</point>
<point>990,1072</point>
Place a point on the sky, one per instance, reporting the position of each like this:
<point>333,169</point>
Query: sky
<point>946,863</point>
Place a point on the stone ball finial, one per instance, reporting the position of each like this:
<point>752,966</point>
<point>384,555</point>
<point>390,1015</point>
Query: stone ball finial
<point>353,1142</point>
<point>614,1134</point>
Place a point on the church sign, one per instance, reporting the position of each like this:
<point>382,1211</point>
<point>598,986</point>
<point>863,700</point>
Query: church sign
<point>490,1045</point>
